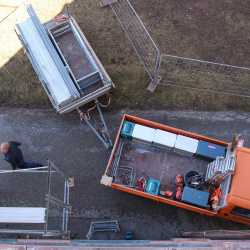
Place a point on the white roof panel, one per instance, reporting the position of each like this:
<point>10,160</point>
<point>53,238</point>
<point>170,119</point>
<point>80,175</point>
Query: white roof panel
<point>187,144</point>
<point>143,133</point>
<point>164,138</point>
<point>22,215</point>
<point>56,84</point>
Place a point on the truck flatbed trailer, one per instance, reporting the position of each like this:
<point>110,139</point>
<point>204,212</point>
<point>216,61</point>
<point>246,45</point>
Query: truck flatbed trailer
<point>148,157</point>
<point>156,163</point>
<point>67,66</point>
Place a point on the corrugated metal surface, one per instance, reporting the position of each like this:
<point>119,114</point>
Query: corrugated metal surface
<point>57,78</point>
<point>46,61</point>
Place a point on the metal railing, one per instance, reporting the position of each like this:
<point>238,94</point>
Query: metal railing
<point>201,75</point>
<point>61,205</point>
<point>143,44</point>
<point>177,71</point>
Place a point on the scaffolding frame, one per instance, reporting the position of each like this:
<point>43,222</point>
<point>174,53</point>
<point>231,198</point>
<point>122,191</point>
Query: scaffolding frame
<point>50,200</point>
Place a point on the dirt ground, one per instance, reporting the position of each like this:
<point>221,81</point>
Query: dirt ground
<point>210,30</point>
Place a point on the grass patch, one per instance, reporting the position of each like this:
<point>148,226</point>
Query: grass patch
<point>193,29</point>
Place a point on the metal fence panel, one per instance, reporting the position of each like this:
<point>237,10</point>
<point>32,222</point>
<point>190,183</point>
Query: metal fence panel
<point>201,75</point>
<point>144,46</point>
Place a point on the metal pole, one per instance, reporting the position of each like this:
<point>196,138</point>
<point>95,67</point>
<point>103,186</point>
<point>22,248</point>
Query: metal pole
<point>56,201</point>
<point>107,135</point>
<point>64,199</point>
<point>104,138</point>
<point>48,199</point>
<point>207,62</point>
<point>53,166</point>
<point>67,210</point>
<point>95,132</point>
<point>66,207</point>
<point>27,170</point>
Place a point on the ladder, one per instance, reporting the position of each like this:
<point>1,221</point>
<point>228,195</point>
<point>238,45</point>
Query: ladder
<point>222,165</point>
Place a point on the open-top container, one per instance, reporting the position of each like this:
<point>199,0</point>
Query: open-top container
<point>67,66</point>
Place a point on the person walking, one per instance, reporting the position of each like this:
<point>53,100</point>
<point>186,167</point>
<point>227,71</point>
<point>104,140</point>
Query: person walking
<point>13,155</point>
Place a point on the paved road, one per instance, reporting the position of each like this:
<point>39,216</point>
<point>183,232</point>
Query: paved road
<point>78,153</point>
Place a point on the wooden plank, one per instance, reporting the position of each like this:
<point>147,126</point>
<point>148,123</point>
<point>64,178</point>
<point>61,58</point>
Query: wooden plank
<point>22,215</point>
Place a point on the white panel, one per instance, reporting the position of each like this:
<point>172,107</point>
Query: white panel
<point>57,85</point>
<point>186,144</point>
<point>22,215</point>
<point>143,133</point>
<point>164,138</point>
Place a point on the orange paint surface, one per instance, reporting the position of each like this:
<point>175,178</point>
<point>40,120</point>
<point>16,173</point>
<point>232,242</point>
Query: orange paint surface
<point>239,194</point>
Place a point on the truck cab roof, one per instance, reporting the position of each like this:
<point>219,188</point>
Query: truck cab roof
<point>239,194</point>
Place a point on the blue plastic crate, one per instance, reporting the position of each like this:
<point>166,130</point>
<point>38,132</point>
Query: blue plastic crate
<point>195,197</point>
<point>210,150</point>
<point>153,186</point>
<point>127,129</point>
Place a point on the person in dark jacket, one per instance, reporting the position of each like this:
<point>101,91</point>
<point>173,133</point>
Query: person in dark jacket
<point>13,154</point>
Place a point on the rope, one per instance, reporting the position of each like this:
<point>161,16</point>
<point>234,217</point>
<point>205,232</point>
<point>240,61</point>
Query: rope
<point>61,18</point>
<point>86,115</point>
<point>105,105</point>
<point>89,110</point>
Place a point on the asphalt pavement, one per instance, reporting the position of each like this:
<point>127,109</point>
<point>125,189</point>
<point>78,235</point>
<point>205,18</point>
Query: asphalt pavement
<point>75,150</point>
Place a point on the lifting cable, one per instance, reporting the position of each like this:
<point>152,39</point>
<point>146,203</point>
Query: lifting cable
<point>107,104</point>
<point>86,115</point>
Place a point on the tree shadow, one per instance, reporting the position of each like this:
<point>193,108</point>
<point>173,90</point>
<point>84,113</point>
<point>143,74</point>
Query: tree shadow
<point>195,30</point>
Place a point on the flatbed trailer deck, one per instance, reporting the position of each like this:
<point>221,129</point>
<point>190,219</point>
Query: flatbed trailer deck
<point>67,67</point>
<point>136,156</point>
<point>77,55</point>
<point>156,162</point>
